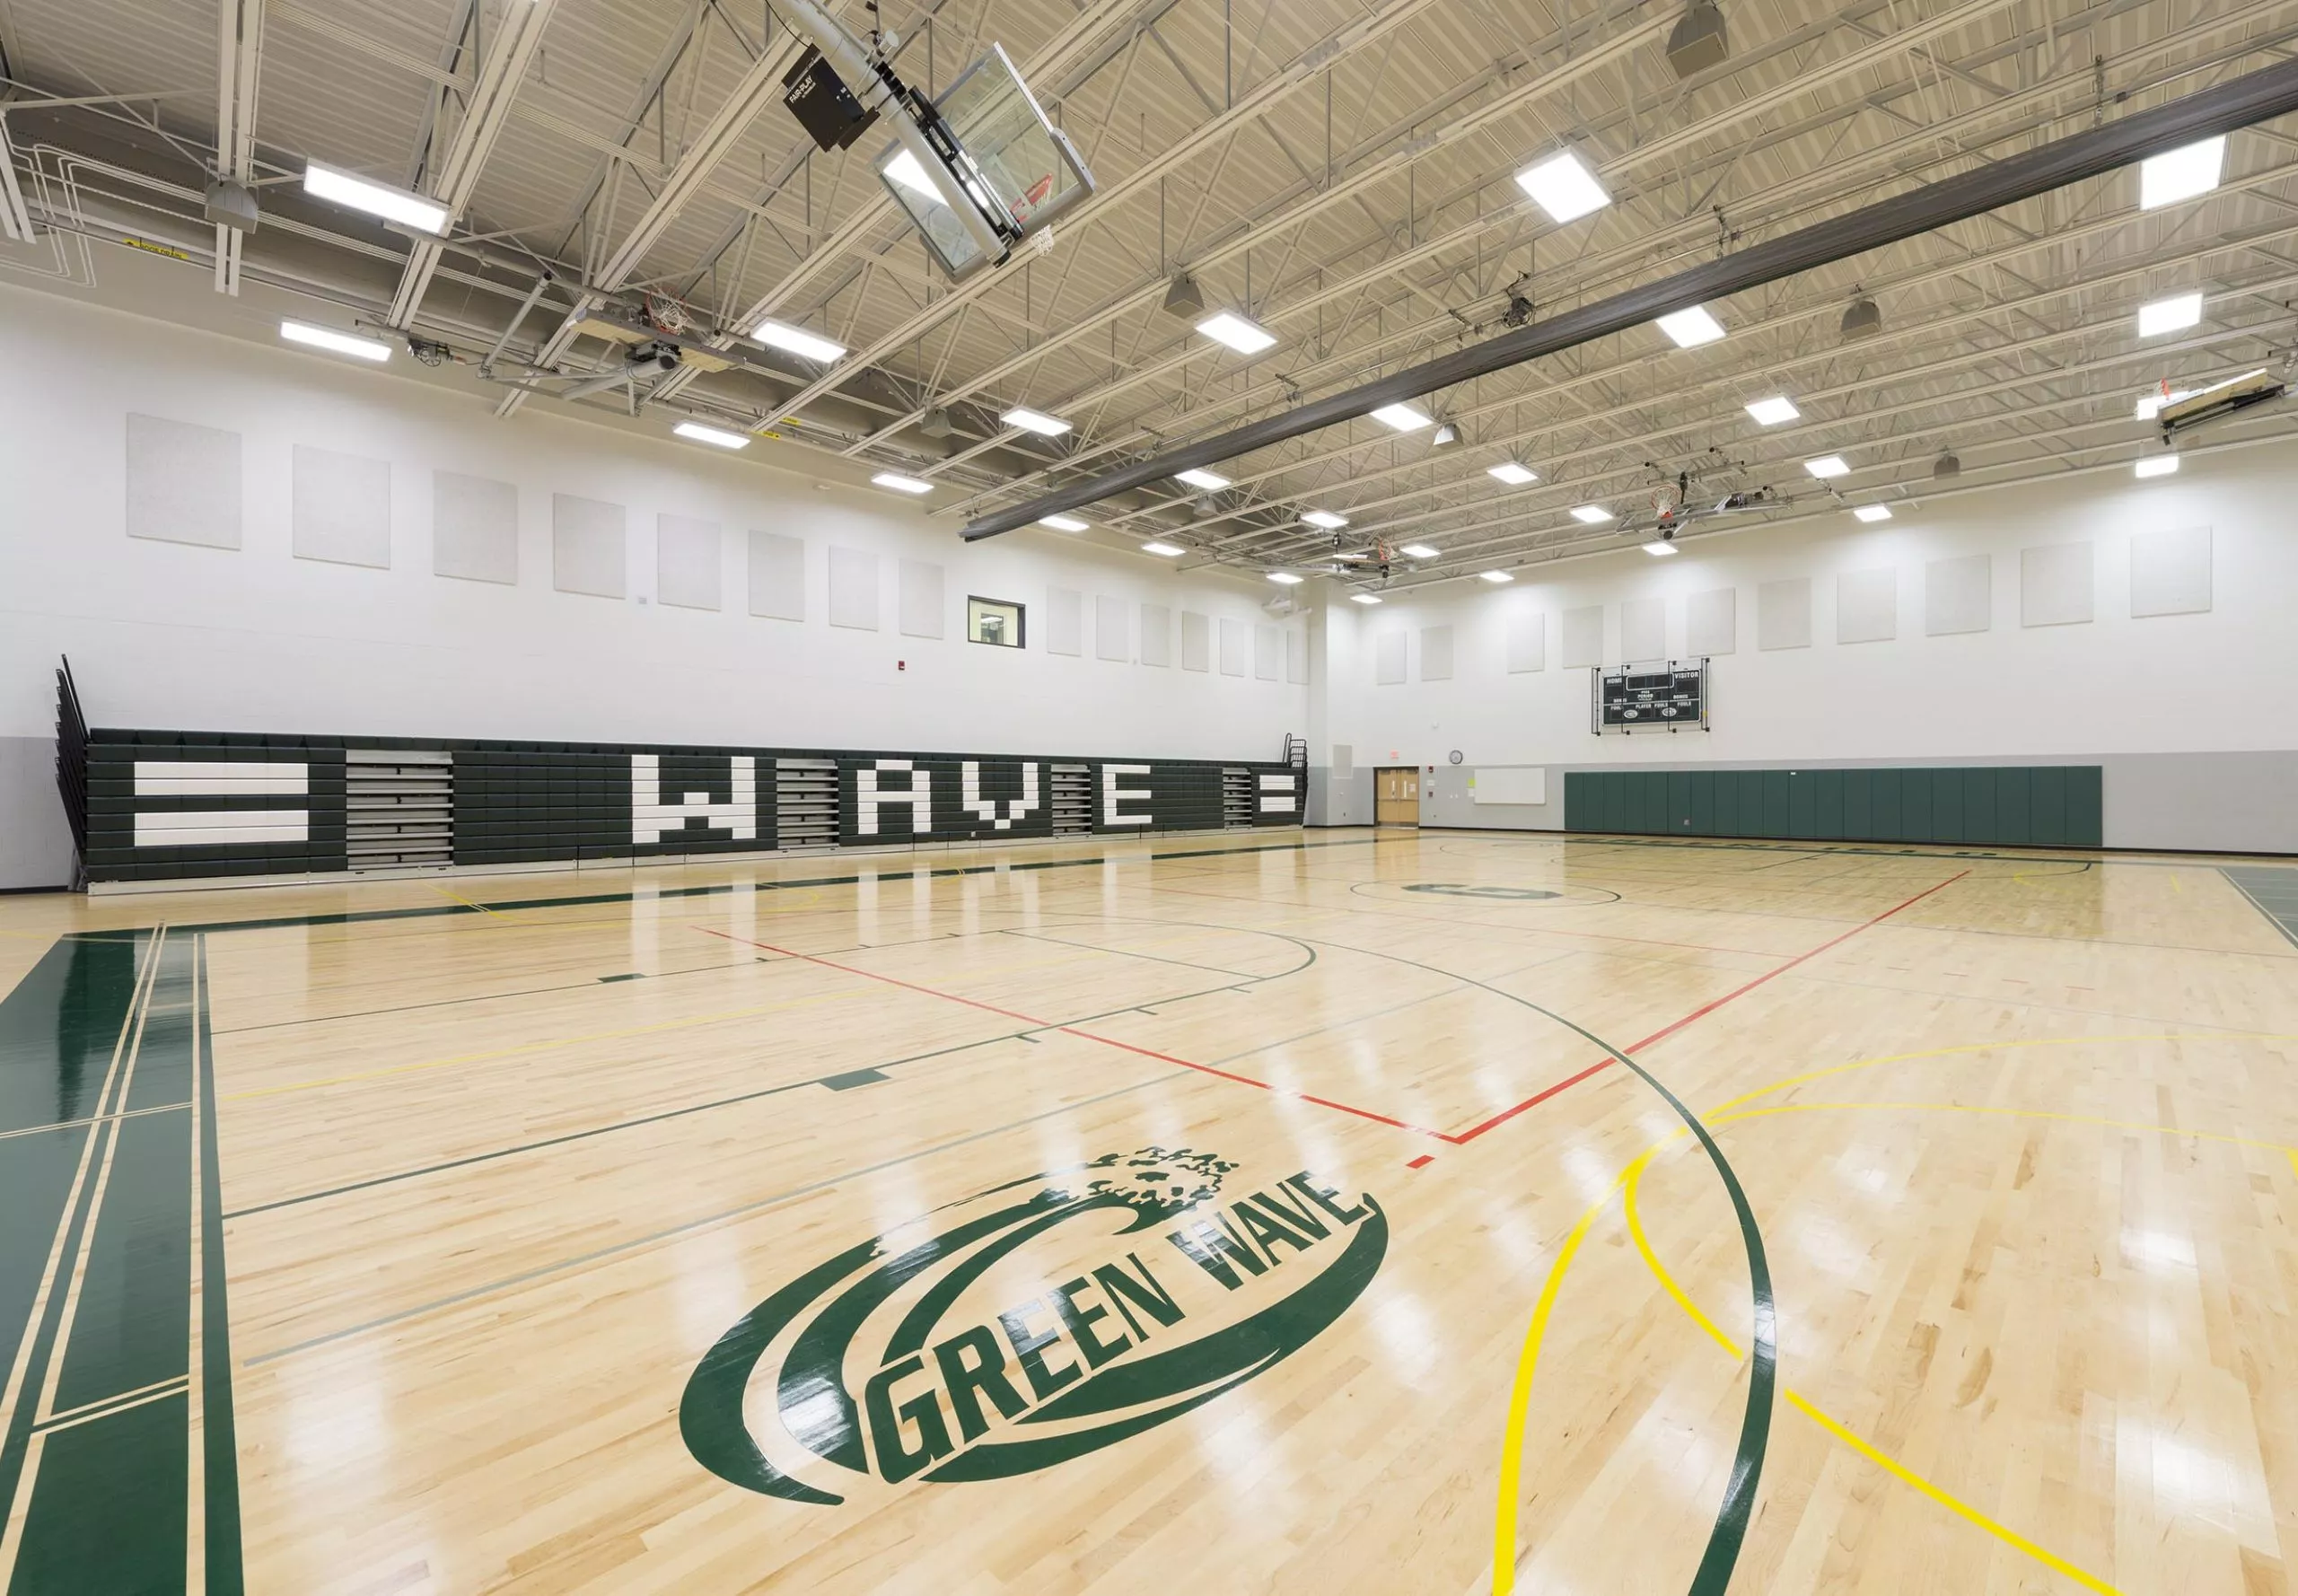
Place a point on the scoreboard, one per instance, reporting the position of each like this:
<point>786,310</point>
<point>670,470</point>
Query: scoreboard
<point>1669,697</point>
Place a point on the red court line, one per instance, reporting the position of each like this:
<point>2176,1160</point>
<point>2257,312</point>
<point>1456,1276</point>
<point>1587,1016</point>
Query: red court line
<point>1667,1031</point>
<point>1105,1041</point>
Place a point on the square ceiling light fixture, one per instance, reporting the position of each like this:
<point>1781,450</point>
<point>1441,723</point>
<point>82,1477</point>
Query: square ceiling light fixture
<point>1659,548</point>
<point>1592,514</point>
<point>1871,512</point>
<point>1245,336</point>
<point>415,211</point>
<point>1035,421</point>
<point>1774,411</point>
<point>1688,329</point>
<point>2157,465</point>
<point>1563,186</point>
<point>2180,174</point>
<point>797,340</point>
<point>1325,519</point>
<point>1514,474</point>
<point>2169,315</point>
<point>901,484</point>
<point>1286,577</point>
<point>334,342</point>
<point>1405,419</point>
<point>1211,481</point>
<point>717,437</point>
<point>1496,576</point>
<point>1363,599</point>
<point>1420,551</point>
<point>1162,550</point>
<point>1063,523</point>
<point>1826,466</point>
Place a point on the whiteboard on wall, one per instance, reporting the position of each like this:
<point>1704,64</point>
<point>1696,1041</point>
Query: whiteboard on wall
<point>1510,784</point>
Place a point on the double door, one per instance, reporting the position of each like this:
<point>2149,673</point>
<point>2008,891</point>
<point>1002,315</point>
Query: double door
<point>1396,795</point>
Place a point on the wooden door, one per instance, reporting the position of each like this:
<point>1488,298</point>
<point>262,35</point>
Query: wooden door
<point>1396,797</point>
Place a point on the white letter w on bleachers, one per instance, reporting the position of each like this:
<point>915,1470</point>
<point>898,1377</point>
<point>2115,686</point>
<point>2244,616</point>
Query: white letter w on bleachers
<point>969,779</point>
<point>651,818</point>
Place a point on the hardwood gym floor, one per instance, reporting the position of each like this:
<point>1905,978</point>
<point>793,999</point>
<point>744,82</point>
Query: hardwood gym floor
<point>1258,1214</point>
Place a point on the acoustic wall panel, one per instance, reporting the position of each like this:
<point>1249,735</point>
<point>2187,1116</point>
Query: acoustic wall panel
<point>1958,596</point>
<point>2170,571</point>
<point>1436,653</point>
<point>1712,622</point>
<point>919,585</point>
<point>1527,642</point>
<point>2057,587</point>
<point>777,578</point>
<point>686,562</point>
<point>1268,651</point>
<point>183,483</point>
<point>1064,621</point>
<point>1867,606</point>
<point>1512,783</point>
<point>1784,613</point>
<point>340,508</point>
<point>1643,629</point>
<point>853,589</point>
<point>1584,637</point>
<point>1197,647</point>
<point>474,528</point>
<point>1296,659</point>
<point>1111,638</point>
<point>1157,635</point>
<point>587,546</point>
<point>1236,647</point>
<point>1388,660</point>
<point>1344,761</point>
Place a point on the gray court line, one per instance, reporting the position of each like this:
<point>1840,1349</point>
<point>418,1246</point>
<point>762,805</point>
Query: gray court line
<point>694,1224</point>
<point>1217,969</point>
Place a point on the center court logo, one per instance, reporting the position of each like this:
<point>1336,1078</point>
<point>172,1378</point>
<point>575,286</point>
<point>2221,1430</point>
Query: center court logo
<point>1190,1298</point>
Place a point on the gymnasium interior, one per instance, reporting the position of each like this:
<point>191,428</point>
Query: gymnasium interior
<point>1079,797</point>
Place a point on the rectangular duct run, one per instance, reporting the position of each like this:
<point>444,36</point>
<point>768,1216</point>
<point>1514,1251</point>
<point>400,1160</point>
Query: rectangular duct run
<point>805,803</point>
<point>1236,800</point>
<point>1073,800</point>
<point>398,808</point>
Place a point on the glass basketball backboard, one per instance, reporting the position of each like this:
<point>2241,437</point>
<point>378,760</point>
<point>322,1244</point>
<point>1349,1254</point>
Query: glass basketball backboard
<point>1022,166</point>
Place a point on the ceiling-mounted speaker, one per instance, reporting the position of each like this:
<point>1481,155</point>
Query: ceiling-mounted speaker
<point>232,205</point>
<point>1948,464</point>
<point>1698,41</point>
<point>1445,435</point>
<point>1182,297</point>
<point>936,424</point>
<point>1862,320</point>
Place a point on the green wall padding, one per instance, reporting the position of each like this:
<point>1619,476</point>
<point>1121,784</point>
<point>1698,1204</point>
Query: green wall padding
<point>1982,805</point>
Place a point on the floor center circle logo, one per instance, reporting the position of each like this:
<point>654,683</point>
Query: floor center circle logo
<point>1192,1297</point>
<point>1457,889</point>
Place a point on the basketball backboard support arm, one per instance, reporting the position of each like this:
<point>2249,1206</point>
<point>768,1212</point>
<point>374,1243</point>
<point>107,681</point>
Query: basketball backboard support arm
<point>874,85</point>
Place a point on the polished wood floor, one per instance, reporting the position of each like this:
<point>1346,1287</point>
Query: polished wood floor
<point>1596,1217</point>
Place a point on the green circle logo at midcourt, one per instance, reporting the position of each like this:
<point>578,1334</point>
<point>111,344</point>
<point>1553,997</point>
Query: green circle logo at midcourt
<point>896,1359</point>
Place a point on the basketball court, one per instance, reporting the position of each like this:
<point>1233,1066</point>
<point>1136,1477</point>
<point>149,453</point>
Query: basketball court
<point>1106,797</point>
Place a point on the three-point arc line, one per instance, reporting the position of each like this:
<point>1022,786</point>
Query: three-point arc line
<point>1454,1139</point>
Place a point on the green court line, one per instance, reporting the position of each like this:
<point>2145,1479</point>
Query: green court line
<point>1026,1034</point>
<point>448,911</point>
<point>706,1221</point>
<point>219,1428</point>
<point>2272,892</point>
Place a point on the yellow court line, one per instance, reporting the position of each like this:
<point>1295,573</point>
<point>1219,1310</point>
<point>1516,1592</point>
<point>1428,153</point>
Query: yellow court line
<point>1914,1108</point>
<point>548,1044</point>
<point>1785,1083</point>
<point>1835,1427</point>
<point>1519,1394</point>
<point>459,898</point>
